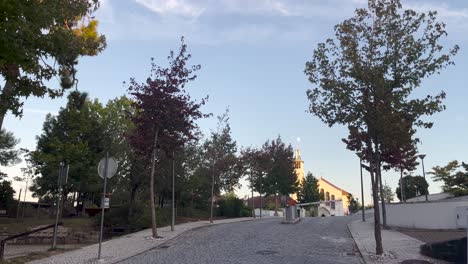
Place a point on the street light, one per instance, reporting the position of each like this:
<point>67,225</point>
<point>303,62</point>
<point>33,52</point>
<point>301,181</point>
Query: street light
<point>422,156</point>
<point>360,155</point>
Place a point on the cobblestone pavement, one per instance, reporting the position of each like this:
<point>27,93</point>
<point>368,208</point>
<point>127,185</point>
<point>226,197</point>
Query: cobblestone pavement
<point>313,240</point>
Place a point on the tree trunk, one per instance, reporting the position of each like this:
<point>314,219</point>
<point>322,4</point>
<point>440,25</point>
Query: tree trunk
<point>6,93</point>
<point>212,195</point>
<point>382,197</point>
<point>131,204</point>
<point>375,198</point>
<point>153,166</point>
<point>276,204</point>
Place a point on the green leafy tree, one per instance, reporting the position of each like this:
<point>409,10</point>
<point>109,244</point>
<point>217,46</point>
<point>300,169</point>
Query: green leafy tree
<point>365,78</point>
<point>455,182</point>
<point>387,193</point>
<point>6,195</point>
<point>221,159</point>
<point>308,189</point>
<point>8,154</point>
<point>412,186</point>
<point>353,205</point>
<point>37,36</point>
<point>280,177</point>
<point>76,137</point>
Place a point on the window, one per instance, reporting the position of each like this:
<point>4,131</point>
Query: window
<point>333,202</point>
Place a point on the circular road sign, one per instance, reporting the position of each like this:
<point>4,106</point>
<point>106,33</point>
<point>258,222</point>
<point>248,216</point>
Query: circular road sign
<point>111,167</point>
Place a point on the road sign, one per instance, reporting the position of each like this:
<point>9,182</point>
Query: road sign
<point>111,167</point>
<point>106,202</point>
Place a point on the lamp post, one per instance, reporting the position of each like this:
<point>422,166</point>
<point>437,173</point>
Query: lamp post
<point>360,154</point>
<point>422,156</point>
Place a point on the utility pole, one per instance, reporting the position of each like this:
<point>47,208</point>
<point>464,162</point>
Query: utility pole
<point>103,203</point>
<point>360,154</point>
<point>173,191</point>
<point>57,211</point>
<point>261,199</point>
<point>19,205</point>
<point>422,156</point>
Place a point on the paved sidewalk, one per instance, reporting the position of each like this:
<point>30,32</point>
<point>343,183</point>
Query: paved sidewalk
<point>121,248</point>
<point>398,247</point>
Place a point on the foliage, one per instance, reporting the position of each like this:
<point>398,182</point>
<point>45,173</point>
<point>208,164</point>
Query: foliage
<point>387,193</point>
<point>165,113</point>
<point>231,206</point>
<point>308,190</point>
<point>37,36</point>
<point>8,154</point>
<point>280,177</point>
<point>76,137</point>
<point>353,205</point>
<point>412,186</point>
<point>365,78</point>
<point>455,182</point>
<point>6,195</point>
<point>220,157</point>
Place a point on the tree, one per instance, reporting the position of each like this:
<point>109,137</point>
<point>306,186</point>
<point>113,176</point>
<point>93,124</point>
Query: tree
<point>412,186</point>
<point>37,36</point>
<point>6,195</point>
<point>76,137</point>
<point>353,205</point>
<point>308,190</point>
<point>8,154</point>
<point>165,113</point>
<point>387,193</point>
<point>366,80</point>
<point>280,177</point>
<point>455,182</point>
<point>220,157</point>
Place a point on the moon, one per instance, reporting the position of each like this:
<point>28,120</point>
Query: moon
<point>298,139</point>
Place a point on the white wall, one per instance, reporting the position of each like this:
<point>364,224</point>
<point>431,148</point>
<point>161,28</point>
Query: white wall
<point>431,197</point>
<point>268,212</point>
<point>427,215</point>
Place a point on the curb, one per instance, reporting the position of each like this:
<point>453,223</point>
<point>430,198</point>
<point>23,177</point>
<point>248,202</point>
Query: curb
<point>358,246</point>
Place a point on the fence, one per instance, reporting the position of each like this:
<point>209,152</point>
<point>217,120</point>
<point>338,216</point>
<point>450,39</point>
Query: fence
<point>443,214</point>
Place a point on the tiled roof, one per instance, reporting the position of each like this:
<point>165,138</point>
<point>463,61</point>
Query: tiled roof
<point>333,185</point>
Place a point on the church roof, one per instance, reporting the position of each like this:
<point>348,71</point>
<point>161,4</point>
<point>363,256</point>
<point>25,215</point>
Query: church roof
<point>334,186</point>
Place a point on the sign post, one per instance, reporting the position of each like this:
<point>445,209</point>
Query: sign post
<point>106,169</point>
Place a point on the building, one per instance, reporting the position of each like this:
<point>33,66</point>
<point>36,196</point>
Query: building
<point>336,200</point>
<point>299,169</point>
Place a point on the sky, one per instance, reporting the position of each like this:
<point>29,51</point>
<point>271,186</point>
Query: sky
<point>253,55</point>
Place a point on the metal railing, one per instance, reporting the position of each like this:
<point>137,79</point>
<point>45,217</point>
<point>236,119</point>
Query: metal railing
<point>3,241</point>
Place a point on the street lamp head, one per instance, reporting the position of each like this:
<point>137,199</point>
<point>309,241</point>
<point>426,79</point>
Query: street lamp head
<point>422,156</point>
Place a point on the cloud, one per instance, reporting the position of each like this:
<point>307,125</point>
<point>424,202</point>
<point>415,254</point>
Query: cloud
<point>175,7</point>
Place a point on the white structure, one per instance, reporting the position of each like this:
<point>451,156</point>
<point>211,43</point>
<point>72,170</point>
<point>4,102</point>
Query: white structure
<point>442,214</point>
<point>325,208</point>
<point>268,212</point>
<point>431,197</point>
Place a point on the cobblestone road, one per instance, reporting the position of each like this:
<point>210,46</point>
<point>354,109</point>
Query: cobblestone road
<point>313,240</point>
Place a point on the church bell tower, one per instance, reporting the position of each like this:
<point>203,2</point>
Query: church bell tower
<point>299,169</point>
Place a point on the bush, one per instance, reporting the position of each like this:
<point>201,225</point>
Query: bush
<point>231,206</point>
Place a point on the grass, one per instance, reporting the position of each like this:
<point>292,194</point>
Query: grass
<point>33,256</point>
<point>14,226</point>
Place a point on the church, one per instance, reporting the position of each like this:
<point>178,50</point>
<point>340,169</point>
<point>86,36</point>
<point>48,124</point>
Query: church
<point>335,203</point>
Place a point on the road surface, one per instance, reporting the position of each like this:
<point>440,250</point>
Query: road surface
<point>313,240</point>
